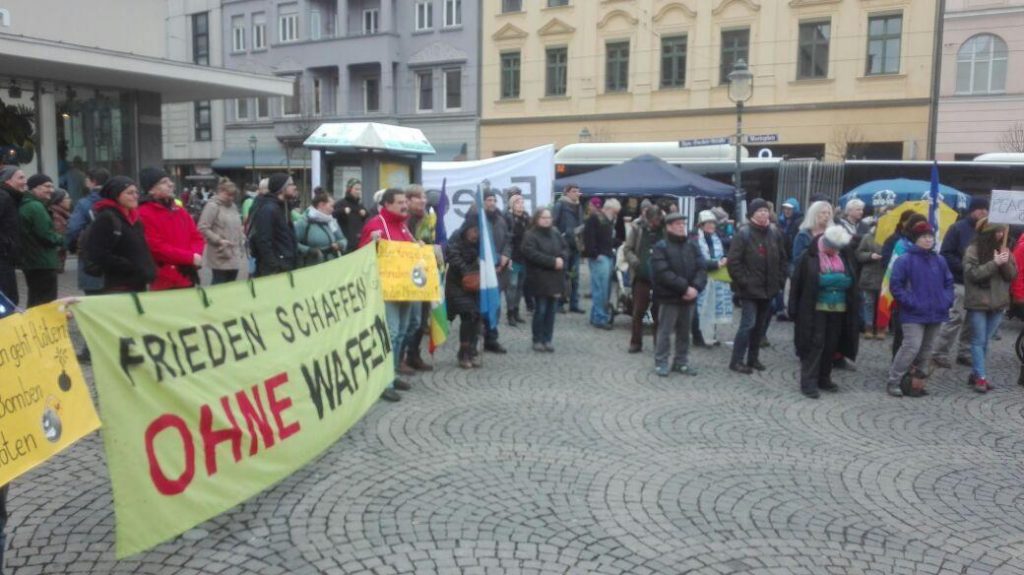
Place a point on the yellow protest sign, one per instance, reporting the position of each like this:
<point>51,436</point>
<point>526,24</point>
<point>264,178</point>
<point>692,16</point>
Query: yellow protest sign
<point>44,403</point>
<point>209,397</point>
<point>408,272</point>
<point>721,274</point>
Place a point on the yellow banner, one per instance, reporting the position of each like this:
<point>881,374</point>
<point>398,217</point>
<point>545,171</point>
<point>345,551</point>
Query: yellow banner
<point>44,403</point>
<point>210,396</point>
<point>408,272</point>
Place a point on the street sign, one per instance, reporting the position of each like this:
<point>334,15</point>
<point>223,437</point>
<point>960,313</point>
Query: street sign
<point>762,138</point>
<point>703,142</point>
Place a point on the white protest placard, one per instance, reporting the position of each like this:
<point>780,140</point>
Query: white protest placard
<point>532,171</point>
<point>1006,207</point>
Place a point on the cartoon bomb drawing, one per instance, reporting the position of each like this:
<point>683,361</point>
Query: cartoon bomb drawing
<point>63,380</point>
<point>52,426</point>
<point>419,275</point>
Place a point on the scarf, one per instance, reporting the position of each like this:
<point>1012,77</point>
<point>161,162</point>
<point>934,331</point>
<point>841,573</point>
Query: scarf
<point>827,263</point>
<point>131,216</point>
<point>705,250</point>
<point>317,217</point>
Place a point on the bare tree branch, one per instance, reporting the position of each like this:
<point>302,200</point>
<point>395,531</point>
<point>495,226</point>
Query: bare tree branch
<point>1013,138</point>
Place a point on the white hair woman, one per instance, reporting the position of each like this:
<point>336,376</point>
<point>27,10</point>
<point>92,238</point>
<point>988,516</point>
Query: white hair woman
<point>816,220</point>
<point>823,304</point>
<point>853,213</point>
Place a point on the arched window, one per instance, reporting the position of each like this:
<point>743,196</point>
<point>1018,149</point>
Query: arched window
<point>981,65</point>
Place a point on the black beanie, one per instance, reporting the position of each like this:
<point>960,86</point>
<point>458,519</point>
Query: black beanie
<point>149,177</point>
<point>114,186</point>
<point>277,182</point>
<point>755,204</point>
<point>38,180</point>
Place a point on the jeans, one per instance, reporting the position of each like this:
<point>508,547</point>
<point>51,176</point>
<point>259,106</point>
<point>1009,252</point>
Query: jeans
<point>641,301</point>
<point>600,279</point>
<point>675,319</point>
<point>753,320</point>
<point>418,321</point>
<point>954,331</point>
<point>516,281</point>
<point>572,279</point>
<point>544,319</point>
<point>983,326</point>
<point>867,310</point>
<point>42,286</point>
<point>397,314</point>
<point>224,276</point>
<point>816,366</point>
<point>914,350</point>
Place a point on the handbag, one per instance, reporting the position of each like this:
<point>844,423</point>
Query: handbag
<point>471,281</point>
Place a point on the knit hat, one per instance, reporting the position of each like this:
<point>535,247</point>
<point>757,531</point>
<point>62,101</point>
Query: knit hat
<point>705,217</point>
<point>912,221</point>
<point>920,229</point>
<point>277,183</point>
<point>836,237</point>
<point>674,217</point>
<point>756,204</point>
<point>7,172</point>
<point>38,180</point>
<point>595,202</point>
<point>977,203</point>
<point>114,186</point>
<point>149,177</point>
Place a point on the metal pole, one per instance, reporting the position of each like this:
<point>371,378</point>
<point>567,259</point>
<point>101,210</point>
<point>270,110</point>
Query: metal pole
<point>254,181</point>
<point>741,204</point>
<point>933,107</point>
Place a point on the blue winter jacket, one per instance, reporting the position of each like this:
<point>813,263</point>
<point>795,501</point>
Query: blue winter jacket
<point>922,285</point>
<point>954,246</point>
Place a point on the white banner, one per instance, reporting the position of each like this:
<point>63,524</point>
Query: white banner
<point>532,171</point>
<point>1006,207</point>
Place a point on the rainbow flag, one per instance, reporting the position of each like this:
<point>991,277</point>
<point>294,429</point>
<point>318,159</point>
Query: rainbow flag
<point>885,299</point>
<point>439,326</point>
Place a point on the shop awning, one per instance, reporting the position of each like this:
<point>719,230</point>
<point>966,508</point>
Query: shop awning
<point>266,159</point>
<point>35,58</point>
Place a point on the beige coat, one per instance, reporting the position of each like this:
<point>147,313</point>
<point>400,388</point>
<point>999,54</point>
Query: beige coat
<point>987,285</point>
<point>217,223</point>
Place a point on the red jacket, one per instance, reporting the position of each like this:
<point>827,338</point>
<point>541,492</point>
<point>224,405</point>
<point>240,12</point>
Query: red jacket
<point>174,241</point>
<point>391,227</point>
<point>1017,287</point>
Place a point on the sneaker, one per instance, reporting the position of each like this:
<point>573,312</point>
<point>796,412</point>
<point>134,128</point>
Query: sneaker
<point>941,362</point>
<point>894,390</point>
<point>402,385</point>
<point>843,363</point>
<point>549,348</point>
<point>740,368</point>
<point>757,365</point>
<point>980,385</point>
<point>495,347</point>
<point>390,395</point>
<point>661,370</point>
<point>685,370</point>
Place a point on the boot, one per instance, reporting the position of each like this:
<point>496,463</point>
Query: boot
<point>511,319</point>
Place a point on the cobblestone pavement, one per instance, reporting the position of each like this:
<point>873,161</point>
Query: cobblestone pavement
<point>584,461</point>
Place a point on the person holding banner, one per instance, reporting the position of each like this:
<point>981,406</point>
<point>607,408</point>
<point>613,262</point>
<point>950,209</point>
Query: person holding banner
<point>13,184</point>
<point>422,224</point>
<point>544,253</point>
<point>271,233</point>
<point>389,224</point>
<point>115,248</point>
<point>462,289</point>
<point>989,268</point>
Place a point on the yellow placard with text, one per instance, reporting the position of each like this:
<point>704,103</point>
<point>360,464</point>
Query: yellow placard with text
<point>44,403</point>
<point>408,272</point>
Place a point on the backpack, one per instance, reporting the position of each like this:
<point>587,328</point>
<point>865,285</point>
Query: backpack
<point>88,264</point>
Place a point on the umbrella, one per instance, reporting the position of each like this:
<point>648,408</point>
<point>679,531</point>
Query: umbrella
<point>887,223</point>
<point>881,193</point>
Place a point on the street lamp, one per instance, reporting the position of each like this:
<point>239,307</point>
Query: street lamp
<point>741,88</point>
<point>252,149</point>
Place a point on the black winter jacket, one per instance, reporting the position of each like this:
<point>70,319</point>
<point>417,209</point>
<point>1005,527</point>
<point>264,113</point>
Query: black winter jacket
<point>10,226</point>
<point>540,248</point>
<point>463,258</point>
<point>517,225</point>
<point>119,250</point>
<point>757,262</point>
<point>803,299</point>
<point>954,246</point>
<point>351,215</point>
<point>676,266</point>
<point>272,237</point>
<point>598,236</point>
<point>567,217</point>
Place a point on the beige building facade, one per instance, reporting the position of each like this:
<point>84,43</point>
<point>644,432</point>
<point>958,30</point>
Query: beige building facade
<point>832,78</point>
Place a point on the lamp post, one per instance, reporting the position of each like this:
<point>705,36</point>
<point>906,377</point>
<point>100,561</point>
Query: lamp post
<point>741,88</point>
<point>252,149</point>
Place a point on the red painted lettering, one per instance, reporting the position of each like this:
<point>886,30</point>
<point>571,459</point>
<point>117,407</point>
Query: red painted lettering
<point>278,407</point>
<point>214,437</point>
<point>255,417</point>
<point>164,484</point>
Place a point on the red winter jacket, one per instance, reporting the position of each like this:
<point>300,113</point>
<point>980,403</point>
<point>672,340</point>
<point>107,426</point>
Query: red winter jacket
<point>1017,287</point>
<point>390,225</point>
<point>174,241</point>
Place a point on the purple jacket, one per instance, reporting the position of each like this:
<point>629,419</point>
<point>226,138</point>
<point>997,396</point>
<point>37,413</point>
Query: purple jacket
<point>923,286</point>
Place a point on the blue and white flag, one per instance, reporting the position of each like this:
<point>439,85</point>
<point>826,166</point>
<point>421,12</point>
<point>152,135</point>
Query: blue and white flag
<point>490,296</point>
<point>933,205</point>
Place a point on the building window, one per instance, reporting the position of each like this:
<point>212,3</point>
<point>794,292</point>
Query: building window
<point>259,31</point>
<point>557,62</point>
<point>425,90</point>
<point>812,57</point>
<point>510,66</point>
<point>371,21</point>
<point>884,44</point>
<point>616,67</point>
<point>262,108</point>
<point>288,23</point>
<point>735,47</point>
<point>452,13</point>
<point>453,89</point>
<point>316,96</point>
<point>292,105</point>
<point>673,62</point>
<point>242,109</point>
<point>981,65</point>
<point>371,95</point>
<point>201,39</point>
<point>203,124</point>
<point>556,3</point>
<point>316,25</point>
<point>238,33</point>
<point>424,14</point>
<point>511,6</point>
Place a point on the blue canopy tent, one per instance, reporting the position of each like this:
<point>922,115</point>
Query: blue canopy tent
<point>880,193</point>
<point>647,175</point>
